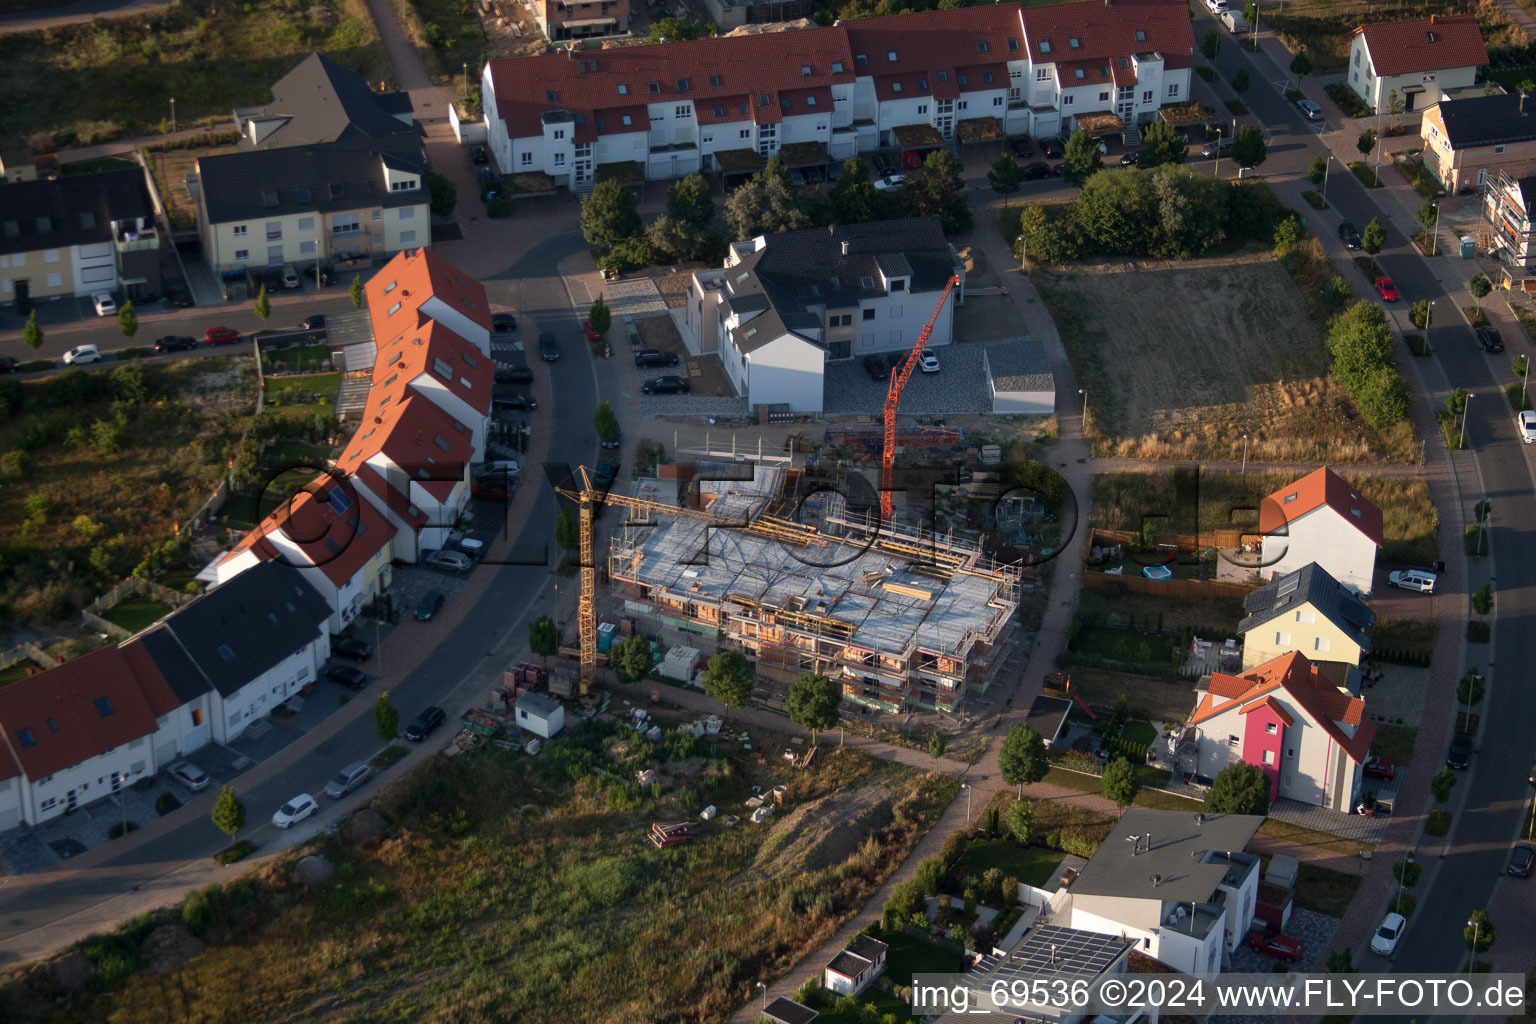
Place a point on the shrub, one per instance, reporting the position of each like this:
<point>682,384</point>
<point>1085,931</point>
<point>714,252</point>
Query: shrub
<point>235,852</point>
<point>1407,872</point>
<point>1479,286</point>
<point>1079,843</point>
<point>17,465</point>
<point>1441,786</point>
<point>1438,823</point>
<point>1315,199</point>
<point>1416,344</point>
<point>1418,314</point>
<point>1515,391</point>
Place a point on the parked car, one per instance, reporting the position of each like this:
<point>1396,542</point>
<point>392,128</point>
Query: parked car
<point>424,724</point>
<point>190,775</point>
<point>1216,6</point>
<point>1035,171</point>
<point>592,335</point>
<point>1211,150</point>
<point>1490,339</point>
<point>549,348</point>
<point>221,336</point>
<point>1520,860</point>
<point>315,323</point>
<point>82,354</point>
<point>430,604</point>
<point>290,276</point>
<point>911,159</point>
<point>496,485</point>
<point>1386,289</point>
<point>605,474</point>
<point>1309,108</point>
<point>348,779</point>
<point>833,172</point>
<point>875,367</point>
<point>1412,579</point>
<point>796,176</point>
<point>1460,754</point>
<point>1053,149</point>
<point>351,648</point>
<point>613,443</point>
<point>503,323</point>
<point>890,183</point>
<point>513,374</point>
<point>655,357</point>
<point>481,157</point>
<point>295,811</point>
<point>175,343</point>
<point>1349,235</point>
<point>1384,942</point>
<point>453,561</point>
<point>883,164</point>
<point>928,362</point>
<point>105,304</point>
<point>9,364</point>
<point>1525,423</point>
<point>1380,768</point>
<point>179,298</point>
<point>1127,159</point>
<point>1275,944</point>
<point>514,403</point>
<point>346,675</point>
<point>666,386</point>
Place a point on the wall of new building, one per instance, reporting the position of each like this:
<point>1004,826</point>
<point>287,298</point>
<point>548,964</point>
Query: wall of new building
<point>47,273</point>
<point>1474,165</point>
<point>1304,752</point>
<point>179,732</point>
<point>459,322</point>
<point>10,803</point>
<point>234,714</point>
<point>1299,629</point>
<point>786,371</point>
<point>1327,538</point>
<point>1187,953</point>
<point>892,322</point>
<point>1241,902</point>
<point>89,780</point>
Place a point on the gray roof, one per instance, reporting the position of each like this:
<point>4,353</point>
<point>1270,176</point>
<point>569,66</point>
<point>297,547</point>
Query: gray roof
<point>537,704</point>
<point>1489,120</point>
<point>73,209</point>
<point>242,628</point>
<point>868,947</point>
<point>184,677</point>
<point>1020,365</point>
<point>1164,863</point>
<point>1046,715</point>
<point>324,102</point>
<point>849,965</point>
<point>787,1011</point>
<point>265,183</point>
<point>1311,584</point>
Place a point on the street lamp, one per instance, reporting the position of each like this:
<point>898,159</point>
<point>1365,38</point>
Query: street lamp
<point>1084,393</point>
<point>1474,924</point>
<point>1525,380</point>
<point>466,79</point>
<point>765,994</point>
<point>967,788</point>
<point>1326,167</point>
<point>1245,456</point>
<point>1434,241</point>
<point>120,779</point>
<point>1466,407</point>
<point>1217,172</point>
<point>173,113</point>
<point>1403,871</point>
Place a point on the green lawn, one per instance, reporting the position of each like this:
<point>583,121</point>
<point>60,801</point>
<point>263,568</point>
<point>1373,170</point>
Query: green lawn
<point>887,1007</point>
<point>1031,865</point>
<point>1139,732</point>
<point>1325,891</point>
<point>1125,646</point>
<point>103,163</point>
<point>136,613</point>
<point>1395,743</point>
<point>177,579</point>
<point>910,955</point>
<point>1151,779</point>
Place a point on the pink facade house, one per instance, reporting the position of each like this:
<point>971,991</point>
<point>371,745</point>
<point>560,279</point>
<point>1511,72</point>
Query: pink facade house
<point>1309,735</point>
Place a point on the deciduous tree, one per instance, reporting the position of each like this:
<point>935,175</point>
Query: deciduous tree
<point>543,638</point>
<point>32,334</point>
<point>1317,170</point>
<point>1121,783</point>
<point>263,307</point>
<point>813,703</point>
<point>937,744</point>
<point>386,718</point>
<point>1239,788</point>
<point>228,812</point>
<point>567,529</point>
<point>689,201</point>
<point>1022,759</point>
<point>127,319</point>
<point>609,214</point>
<point>1248,147</point>
<point>728,679</point>
<point>1161,144</point>
<point>631,658</point>
<point>605,422</point>
<point>443,193</point>
<point>1005,177</point>
<point>1081,158</point>
<point>671,30</point>
<point>599,316</point>
<point>1366,142</point>
<point>935,191</point>
<point>1210,45</point>
<point>1374,237</point>
<point>1020,821</point>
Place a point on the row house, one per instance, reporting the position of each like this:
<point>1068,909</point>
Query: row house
<point>919,80</point>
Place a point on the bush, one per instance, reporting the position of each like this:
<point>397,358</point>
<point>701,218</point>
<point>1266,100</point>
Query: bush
<point>1365,174</point>
<point>1478,632</point>
<point>1079,843</point>
<point>1441,786</point>
<point>1315,199</point>
<point>1479,286</point>
<point>1438,823</point>
<point>1418,314</point>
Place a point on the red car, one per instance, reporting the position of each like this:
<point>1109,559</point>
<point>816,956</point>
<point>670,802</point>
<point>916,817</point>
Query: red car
<point>1380,768</point>
<point>1281,947</point>
<point>1386,289</point>
<point>912,158</point>
<point>222,336</point>
<point>586,325</point>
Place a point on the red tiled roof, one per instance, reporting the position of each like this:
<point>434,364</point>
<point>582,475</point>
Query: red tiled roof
<point>1272,705</point>
<point>1323,702</point>
<point>395,501</point>
<point>435,352</point>
<point>1320,487</point>
<point>75,711</point>
<point>9,769</point>
<point>419,438</point>
<point>611,120</point>
<point>338,543</point>
<point>730,109</point>
<point>409,280</point>
<point>1105,31</point>
<point>157,690</point>
<point>1406,47</point>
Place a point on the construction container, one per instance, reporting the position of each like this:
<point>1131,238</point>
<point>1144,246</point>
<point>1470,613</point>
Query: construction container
<point>680,663</point>
<point>778,794</point>
<point>605,632</point>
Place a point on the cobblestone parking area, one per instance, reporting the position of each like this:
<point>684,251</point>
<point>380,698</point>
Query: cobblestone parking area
<point>1313,930</point>
<point>24,850</point>
<point>634,299</point>
<point>960,386</point>
<point>412,582</point>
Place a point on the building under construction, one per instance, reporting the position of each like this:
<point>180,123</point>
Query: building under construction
<point>901,621</point>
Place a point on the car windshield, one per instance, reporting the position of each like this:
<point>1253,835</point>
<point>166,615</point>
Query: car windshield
<point>1387,932</point>
<point>291,807</point>
<point>341,779</point>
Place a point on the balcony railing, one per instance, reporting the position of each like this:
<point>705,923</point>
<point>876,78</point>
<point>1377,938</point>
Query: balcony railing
<point>136,241</point>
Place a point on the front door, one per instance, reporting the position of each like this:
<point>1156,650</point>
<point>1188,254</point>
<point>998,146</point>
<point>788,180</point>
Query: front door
<point>23,297</point>
<point>70,803</point>
<point>1409,99</point>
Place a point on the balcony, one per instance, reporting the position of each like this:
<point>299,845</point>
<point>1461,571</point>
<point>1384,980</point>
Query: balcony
<point>136,241</point>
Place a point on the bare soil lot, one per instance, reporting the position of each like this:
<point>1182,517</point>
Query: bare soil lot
<point>1180,360</point>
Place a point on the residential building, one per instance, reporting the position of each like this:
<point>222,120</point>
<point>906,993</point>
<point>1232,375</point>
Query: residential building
<point>855,968</point>
<point>785,304</point>
<point>1059,959</point>
<point>1048,716</point>
<point>1467,140</point>
<point>254,641</point>
<point>1311,612</point>
<point>74,734</point>
<point>895,629</point>
<point>411,460</point>
<point>1416,62</point>
<point>78,235</point>
<point>439,365</point>
<point>1309,735</point>
<point>1507,206</point>
<point>733,14</point>
<point>1321,518</point>
<point>539,715</point>
<point>181,700</point>
<point>921,80</point>
<point>321,102</point>
<point>418,287</point>
<point>336,539</point>
<point>784,1010</point>
<point>1177,884</point>
<point>582,19</point>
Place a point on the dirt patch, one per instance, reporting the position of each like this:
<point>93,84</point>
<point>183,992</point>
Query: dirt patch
<point>1324,27</point>
<point>1160,698</point>
<point>1181,359</point>
<point>821,833</point>
<point>704,372</point>
<point>987,318</point>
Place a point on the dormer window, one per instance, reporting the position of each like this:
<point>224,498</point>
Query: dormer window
<point>837,67</point>
<point>1013,45</point>
<point>943,76</point>
<point>655,88</point>
<point>861,60</point>
<point>714,80</point>
<point>682,85</point>
<point>550,96</point>
<point>982,47</point>
<point>922,84</point>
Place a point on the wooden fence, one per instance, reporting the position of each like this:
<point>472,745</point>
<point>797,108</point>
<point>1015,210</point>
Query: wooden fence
<point>1224,538</point>
<point>1138,584</point>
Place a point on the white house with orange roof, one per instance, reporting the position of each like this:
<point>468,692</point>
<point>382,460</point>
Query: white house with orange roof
<point>411,461</point>
<point>419,286</point>
<point>433,361</point>
<point>1321,518</point>
<point>1309,736</point>
<point>340,543</point>
<point>1419,61</point>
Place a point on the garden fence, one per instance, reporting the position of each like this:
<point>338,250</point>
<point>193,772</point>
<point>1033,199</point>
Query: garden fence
<point>1169,588</point>
<point>27,652</point>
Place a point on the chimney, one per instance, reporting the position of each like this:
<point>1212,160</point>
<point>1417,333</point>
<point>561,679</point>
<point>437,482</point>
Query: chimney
<point>1149,842</point>
<point>845,243</point>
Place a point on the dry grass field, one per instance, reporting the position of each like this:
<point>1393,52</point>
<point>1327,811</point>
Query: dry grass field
<point>1180,360</point>
<point>1324,26</point>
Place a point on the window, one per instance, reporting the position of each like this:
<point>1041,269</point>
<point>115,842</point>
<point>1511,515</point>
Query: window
<point>922,108</point>
<point>805,71</point>
<point>683,110</point>
<point>997,101</point>
<point>896,87</point>
<point>981,46</point>
<point>861,60</point>
<point>719,110</point>
<point>408,213</point>
<point>784,104</point>
<point>1357,58</point>
<point>527,158</point>
<point>239,230</point>
<point>559,159</point>
<point>810,101</point>
<point>1066,101</point>
<point>1321,644</point>
<point>1074,42</point>
<point>393,309</point>
<point>1045,46</point>
<point>899,285</point>
<point>682,85</point>
<point>407,238</point>
<point>346,224</point>
<point>1289,498</point>
<point>626,120</point>
<point>1042,74</point>
<point>746,133</point>
<point>1233,741</point>
<point>1173,90</point>
<point>104,707</point>
<point>869,314</point>
<point>1103,95</point>
<point>1498,149</point>
<point>1269,757</point>
<point>654,87</point>
<point>922,84</point>
<point>986,78</point>
<point>890,55</point>
<point>55,280</point>
<point>306,223</point>
<point>1282,639</point>
<point>1079,74</point>
<point>837,67</point>
<point>1146,96</point>
<point>1306,615</point>
<point>242,255</point>
<point>307,248</point>
<point>623,89</point>
<point>1271,728</point>
<point>274,230</point>
<point>1141,35</point>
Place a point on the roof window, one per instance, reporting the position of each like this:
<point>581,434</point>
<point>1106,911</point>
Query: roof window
<point>626,120</point>
<point>719,110</point>
<point>895,87</point>
<point>623,89</point>
<point>469,359</point>
<point>391,287</point>
<point>1103,70</point>
<point>866,282</point>
<point>269,198</point>
<point>338,500</point>
<point>1045,46</point>
<point>655,88</point>
<point>442,368</point>
<point>961,80</point>
<point>837,67</point>
<point>444,445</point>
<point>550,96</point>
<point>810,101</point>
<point>744,106</point>
<point>26,737</point>
<point>943,76</point>
<point>601,124</point>
<point>714,80</point>
<point>226,652</point>
<point>1080,73</point>
<point>764,99</point>
<point>861,60</point>
<point>52,725</point>
<point>104,707</point>
<point>982,47</point>
<point>396,307</point>
<point>1074,42</point>
<point>1289,498</point>
<point>805,71</point>
<point>1429,37</point>
<point>682,85</point>
<point>922,84</point>
<point>986,77</point>
<point>1013,44</point>
<point>333,548</point>
<point>784,104</point>
<point>1141,35</point>
<point>338,189</point>
<point>890,55</point>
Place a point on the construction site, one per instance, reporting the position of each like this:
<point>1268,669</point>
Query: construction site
<point>902,620</point>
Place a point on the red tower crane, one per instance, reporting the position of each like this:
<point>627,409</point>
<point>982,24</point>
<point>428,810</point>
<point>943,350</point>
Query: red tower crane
<point>899,379</point>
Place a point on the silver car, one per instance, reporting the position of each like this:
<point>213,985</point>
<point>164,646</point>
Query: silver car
<point>453,561</point>
<point>348,779</point>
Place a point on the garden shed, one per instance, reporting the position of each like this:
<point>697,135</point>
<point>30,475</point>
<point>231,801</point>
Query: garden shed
<point>1019,375</point>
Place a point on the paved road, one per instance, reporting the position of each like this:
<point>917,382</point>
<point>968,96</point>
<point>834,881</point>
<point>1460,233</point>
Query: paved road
<point>80,10</point>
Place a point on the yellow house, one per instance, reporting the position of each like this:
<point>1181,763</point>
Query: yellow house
<point>1468,141</point>
<point>1311,612</point>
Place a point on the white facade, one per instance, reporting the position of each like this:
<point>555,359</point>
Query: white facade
<point>1417,90</point>
<point>787,370</point>
<point>441,515</point>
<point>257,698</point>
<point>543,717</point>
<point>180,732</point>
<point>1312,769</point>
<point>91,779</point>
<point>436,391</point>
<point>1327,538</point>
